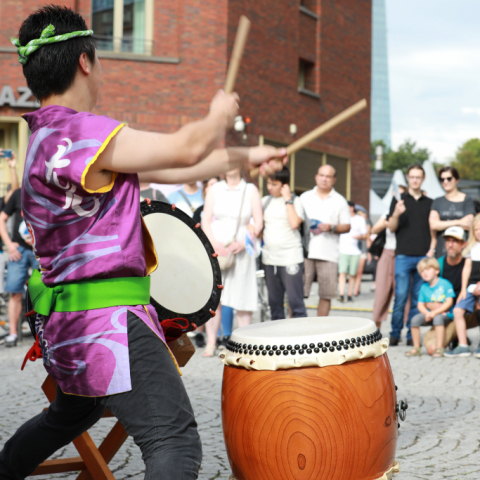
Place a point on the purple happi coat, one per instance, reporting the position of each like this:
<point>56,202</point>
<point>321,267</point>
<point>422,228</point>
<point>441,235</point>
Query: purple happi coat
<point>81,234</point>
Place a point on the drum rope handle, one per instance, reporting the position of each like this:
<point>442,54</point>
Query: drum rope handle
<point>35,351</point>
<point>173,329</point>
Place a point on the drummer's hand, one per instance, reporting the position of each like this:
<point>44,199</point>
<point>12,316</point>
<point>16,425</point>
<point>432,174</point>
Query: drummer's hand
<point>220,249</point>
<point>225,107</point>
<point>269,159</point>
<point>236,247</point>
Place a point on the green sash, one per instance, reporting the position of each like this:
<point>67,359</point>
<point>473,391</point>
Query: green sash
<point>88,295</point>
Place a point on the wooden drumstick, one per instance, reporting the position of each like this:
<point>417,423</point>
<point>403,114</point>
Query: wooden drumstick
<point>237,53</point>
<point>322,129</point>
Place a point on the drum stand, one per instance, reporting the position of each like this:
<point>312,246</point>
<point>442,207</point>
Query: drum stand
<point>93,461</point>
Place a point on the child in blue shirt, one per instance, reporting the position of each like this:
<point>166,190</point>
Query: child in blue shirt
<point>435,302</point>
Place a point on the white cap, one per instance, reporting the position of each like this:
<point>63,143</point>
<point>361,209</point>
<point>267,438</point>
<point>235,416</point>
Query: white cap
<point>455,232</point>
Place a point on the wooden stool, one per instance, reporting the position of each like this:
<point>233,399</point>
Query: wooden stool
<point>92,460</point>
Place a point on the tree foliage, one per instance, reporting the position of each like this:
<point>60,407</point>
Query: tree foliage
<point>467,160</point>
<point>406,155</point>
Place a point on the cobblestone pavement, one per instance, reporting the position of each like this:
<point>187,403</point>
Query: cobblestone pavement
<point>440,438</point>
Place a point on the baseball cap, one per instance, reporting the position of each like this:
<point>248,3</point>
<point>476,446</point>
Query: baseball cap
<point>455,232</point>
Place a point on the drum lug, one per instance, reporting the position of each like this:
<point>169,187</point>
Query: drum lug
<point>401,410</point>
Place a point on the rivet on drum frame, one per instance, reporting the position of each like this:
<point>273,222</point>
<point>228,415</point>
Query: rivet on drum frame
<point>214,255</point>
<point>220,287</point>
<point>212,313</point>
<point>173,206</point>
<point>197,225</point>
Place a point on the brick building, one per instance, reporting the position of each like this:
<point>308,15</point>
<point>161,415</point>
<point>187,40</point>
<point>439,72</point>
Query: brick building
<point>162,61</point>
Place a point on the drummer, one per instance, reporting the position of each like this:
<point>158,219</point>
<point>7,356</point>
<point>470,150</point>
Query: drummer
<point>81,177</point>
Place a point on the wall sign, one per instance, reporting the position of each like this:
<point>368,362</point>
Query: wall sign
<point>7,97</point>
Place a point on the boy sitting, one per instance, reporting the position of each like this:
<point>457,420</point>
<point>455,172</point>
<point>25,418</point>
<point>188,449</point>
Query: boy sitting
<point>282,254</point>
<point>435,302</point>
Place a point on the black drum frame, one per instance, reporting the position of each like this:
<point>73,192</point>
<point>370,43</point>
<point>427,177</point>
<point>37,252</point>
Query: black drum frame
<point>201,316</point>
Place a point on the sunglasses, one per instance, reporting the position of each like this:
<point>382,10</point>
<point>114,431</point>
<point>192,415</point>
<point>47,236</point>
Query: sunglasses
<point>446,179</point>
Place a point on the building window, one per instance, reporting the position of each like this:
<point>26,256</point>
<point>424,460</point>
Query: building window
<point>102,23</point>
<point>123,25</point>
<point>306,76</point>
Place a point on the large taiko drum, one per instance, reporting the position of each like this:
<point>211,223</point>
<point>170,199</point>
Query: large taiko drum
<point>309,399</point>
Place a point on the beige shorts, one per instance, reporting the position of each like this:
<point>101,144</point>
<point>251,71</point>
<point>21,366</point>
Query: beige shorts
<point>327,278</point>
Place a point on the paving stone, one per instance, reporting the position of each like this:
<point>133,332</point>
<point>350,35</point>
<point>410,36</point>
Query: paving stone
<point>440,438</point>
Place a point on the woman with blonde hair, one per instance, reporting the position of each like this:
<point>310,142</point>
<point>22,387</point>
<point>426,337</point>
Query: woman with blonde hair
<point>468,297</point>
<point>233,202</point>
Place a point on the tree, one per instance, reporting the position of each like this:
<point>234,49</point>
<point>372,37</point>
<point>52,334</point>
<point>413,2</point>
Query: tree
<point>406,155</point>
<point>467,160</point>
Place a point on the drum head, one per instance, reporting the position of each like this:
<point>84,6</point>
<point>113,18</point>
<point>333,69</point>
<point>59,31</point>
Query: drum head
<point>303,342</point>
<point>296,330</point>
<point>186,282</point>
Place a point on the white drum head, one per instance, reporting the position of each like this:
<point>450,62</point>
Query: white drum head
<point>185,281</point>
<point>304,330</point>
<point>300,342</point>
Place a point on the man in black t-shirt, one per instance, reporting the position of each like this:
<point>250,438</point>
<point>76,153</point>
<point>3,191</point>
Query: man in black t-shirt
<point>451,265</point>
<point>21,258</point>
<point>409,220</point>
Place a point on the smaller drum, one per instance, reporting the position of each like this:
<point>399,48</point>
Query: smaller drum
<point>309,399</point>
<point>187,282</point>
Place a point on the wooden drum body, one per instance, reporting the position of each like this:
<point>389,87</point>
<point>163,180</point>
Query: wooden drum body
<point>335,422</point>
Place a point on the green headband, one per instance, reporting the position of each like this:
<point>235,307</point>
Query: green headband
<point>45,38</point>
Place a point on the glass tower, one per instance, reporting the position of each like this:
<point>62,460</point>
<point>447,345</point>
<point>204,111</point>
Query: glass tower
<point>380,110</point>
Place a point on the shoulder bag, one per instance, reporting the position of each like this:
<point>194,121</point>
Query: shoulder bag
<point>376,248</point>
<point>227,262</point>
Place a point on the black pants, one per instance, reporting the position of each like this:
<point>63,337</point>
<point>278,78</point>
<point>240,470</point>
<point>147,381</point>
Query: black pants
<point>289,279</point>
<point>156,413</point>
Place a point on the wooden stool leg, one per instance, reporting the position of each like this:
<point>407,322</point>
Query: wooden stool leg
<point>92,461</point>
<point>49,387</point>
<point>109,447</point>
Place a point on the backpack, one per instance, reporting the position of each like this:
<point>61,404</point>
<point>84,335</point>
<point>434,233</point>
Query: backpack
<point>304,227</point>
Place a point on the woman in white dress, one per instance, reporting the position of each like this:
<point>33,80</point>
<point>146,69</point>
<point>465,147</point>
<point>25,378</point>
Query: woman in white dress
<point>240,283</point>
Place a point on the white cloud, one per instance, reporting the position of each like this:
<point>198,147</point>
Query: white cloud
<point>469,110</point>
<point>434,62</point>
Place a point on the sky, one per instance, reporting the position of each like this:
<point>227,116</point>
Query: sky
<point>434,69</point>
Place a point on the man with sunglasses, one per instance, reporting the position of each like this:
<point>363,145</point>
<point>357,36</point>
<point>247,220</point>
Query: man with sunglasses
<point>408,219</point>
<point>454,209</point>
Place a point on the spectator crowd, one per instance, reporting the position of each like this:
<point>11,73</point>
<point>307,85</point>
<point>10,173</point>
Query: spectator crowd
<point>425,254</point>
